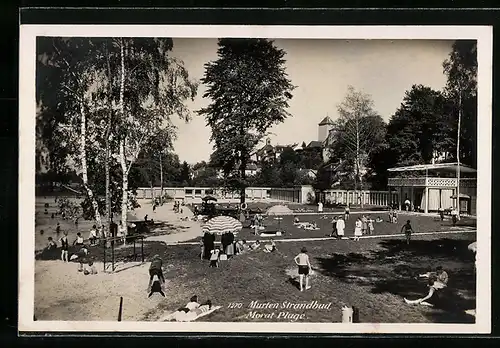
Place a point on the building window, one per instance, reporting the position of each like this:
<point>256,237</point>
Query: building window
<point>189,191</point>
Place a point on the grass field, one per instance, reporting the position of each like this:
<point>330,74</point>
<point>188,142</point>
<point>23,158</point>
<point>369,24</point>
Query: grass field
<point>373,274</point>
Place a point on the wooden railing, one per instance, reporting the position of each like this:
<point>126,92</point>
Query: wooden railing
<point>432,182</point>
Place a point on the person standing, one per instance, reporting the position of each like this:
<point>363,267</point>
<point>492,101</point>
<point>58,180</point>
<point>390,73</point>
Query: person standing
<point>358,229</point>
<point>340,227</point>
<point>346,212</point>
<point>320,207</point>
<point>302,261</point>
<point>364,225</point>
<point>334,228</point>
<point>408,230</point>
<point>370,226</point>
<point>454,214</point>
<point>93,235</point>
<point>407,204</point>
<point>441,213</point>
<point>64,247</point>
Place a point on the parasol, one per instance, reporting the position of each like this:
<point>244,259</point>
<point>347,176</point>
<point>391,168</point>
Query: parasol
<point>221,225</point>
<point>279,210</point>
<point>209,198</point>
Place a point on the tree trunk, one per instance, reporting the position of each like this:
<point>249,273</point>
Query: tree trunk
<point>123,159</point>
<point>83,156</point>
<point>243,178</point>
<point>161,181</point>
<point>108,147</point>
<point>458,152</point>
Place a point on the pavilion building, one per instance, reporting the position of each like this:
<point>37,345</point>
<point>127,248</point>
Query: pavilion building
<point>432,186</point>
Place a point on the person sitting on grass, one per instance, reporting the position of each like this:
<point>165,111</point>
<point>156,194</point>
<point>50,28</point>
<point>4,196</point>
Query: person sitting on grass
<point>379,219</point>
<point>79,240</point>
<point>51,244</point>
<point>214,258</point>
<point>156,269</point>
<point>90,269</point>
<point>296,220</point>
<point>269,248</point>
<point>189,312</point>
<point>302,261</point>
<point>436,281</point>
<point>255,245</point>
<point>407,229</point>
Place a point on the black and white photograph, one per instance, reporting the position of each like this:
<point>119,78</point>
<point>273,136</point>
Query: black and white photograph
<point>255,179</point>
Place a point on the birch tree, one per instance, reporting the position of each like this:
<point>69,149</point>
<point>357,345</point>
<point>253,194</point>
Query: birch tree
<point>153,87</point>
<point>358,132</point>
<point>70,81</point>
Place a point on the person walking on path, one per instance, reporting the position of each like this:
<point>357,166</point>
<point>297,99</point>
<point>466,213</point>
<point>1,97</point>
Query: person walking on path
<point>408,230</point>
<point>334,228</point>
<point>320,207</point>
<point>302,261</point>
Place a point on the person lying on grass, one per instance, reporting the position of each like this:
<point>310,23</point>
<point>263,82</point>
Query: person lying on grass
<point>436,281</point>
<point>255,245</point>
<point>302,261</point>
<point>191,311</point>
<point>268,248</point>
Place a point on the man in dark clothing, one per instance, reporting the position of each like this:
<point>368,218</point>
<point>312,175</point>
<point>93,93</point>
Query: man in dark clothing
<point>407,230</point>
<point>113,230</point>
<point>156,269</point>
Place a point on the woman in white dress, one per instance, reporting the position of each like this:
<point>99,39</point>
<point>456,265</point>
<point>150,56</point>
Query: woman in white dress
<point>340,227</point>
<point>358,229</point>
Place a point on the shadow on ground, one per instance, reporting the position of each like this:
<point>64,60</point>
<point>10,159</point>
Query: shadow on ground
<point>395,267</point>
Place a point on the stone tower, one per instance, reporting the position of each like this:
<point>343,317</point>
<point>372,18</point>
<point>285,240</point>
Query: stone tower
<point>324,128</point>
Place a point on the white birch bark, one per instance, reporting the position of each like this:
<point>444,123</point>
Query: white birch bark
<point>122,155</point>
<point>83,158</point>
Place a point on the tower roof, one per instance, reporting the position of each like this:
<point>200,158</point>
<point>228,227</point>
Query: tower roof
<point>326,121</point>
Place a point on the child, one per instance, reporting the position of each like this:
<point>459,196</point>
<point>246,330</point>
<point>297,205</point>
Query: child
<point>379,219</point>
<point>64,247</point>
<point>90,269</point>
<point>296,220</point>
<point>302,261</point>
<point>214,258</point>
<point>156,269</point>
<point>407,230</point>
<point>58,228</point>
<point>394,218</point>
<point>93,235</point>
<point>441,213</point>
<point>358,229</point>
<point>79,240</point>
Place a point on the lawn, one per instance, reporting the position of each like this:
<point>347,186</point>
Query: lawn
<point>372,274</point>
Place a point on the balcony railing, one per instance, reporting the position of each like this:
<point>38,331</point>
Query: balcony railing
<point>432,182</point>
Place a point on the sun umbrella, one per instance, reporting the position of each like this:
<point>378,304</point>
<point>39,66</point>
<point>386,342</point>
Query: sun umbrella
<point>279,210</point>
<point>222,224</point>
<point>209,198</point>
<point>472,247</point>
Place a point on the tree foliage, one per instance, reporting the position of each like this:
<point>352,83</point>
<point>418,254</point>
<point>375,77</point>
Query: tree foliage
<point>249,92</point>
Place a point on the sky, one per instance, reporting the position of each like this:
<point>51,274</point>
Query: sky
<point>321,70</point>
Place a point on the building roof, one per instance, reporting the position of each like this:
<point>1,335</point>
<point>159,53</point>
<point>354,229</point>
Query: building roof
<point>440,166</point>
<point>264,149</point>
<point>252,166</point>
<point>315,143</point>
<point>326,121</point>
